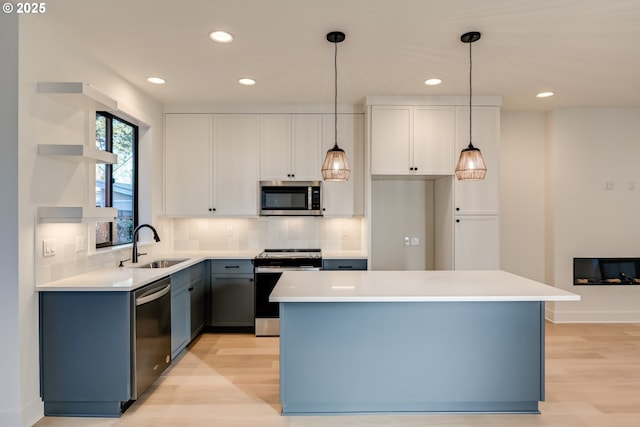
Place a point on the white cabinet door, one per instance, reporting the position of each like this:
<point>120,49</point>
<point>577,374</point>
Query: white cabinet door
<point>477,242</point>
<point>433,140</point>
<point>236,167</point>
<point>187,164</point>
<point>290,147</point>
<point>275,147</point>
<point>479,197</point>
<point>391,136</point>
<point>306,147</point>
<point>345,198</point>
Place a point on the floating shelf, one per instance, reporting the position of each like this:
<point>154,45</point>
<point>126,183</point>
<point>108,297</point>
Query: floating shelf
<point>77,152</point>
<point>79,95</point>
<point>76,214</point>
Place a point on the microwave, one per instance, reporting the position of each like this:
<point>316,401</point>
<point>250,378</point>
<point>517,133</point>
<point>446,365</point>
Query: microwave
<point>290,198</point>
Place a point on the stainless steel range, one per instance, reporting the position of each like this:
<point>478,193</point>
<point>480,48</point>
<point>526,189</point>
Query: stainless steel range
<point>268,267</point>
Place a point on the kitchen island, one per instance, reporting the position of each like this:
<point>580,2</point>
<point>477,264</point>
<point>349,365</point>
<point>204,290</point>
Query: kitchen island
<point>411,341</point>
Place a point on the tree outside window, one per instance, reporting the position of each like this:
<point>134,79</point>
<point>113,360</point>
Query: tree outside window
<point>116,185</point>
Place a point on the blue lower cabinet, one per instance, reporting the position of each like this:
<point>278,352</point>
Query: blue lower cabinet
<point>232,298</point>
<point>344,264</point>
<point>188,290</point>
<point>86,345</point>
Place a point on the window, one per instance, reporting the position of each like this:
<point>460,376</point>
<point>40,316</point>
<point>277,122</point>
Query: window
<point>117,184</point>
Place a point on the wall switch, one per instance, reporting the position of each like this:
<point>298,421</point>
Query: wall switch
<point>415,241</point>
<point>48,247</point>
<point>609,185</point>
<point>406,241</point>
<point>631,185</point>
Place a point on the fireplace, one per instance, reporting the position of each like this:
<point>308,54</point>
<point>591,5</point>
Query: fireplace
<point>606,271</point>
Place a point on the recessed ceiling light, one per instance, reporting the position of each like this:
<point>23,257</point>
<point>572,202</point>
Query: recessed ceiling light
<point>221,36</point>
<point>247,81</point>
<point>545,94</point>
<point>433,82</point>
<point>156,80</point>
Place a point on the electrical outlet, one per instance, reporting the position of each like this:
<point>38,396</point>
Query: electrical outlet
<point>229,231</point>
<point>345,232</point>
<point>415,241</point>
<point>48,247</point>
<point>609,185</point>
<point>407,241</point>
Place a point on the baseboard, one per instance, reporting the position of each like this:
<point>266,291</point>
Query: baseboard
<point>592,316</point>
<point>27,417</point>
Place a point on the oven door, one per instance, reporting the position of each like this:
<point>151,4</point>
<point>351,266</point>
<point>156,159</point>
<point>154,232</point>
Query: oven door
<point>268,313</point>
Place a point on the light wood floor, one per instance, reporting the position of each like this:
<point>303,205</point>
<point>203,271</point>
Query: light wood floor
<point>592,380</point>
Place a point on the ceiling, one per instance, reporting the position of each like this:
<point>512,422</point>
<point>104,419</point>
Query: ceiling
<point>584,50</point>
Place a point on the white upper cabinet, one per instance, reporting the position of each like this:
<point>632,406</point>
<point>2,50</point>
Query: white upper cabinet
<point>306,141</point>
<point>391,140</point>
<point>275,147</point>
<point>433,140</point>
<point>345,198</point>
<point>236,166</point>
<point>211,165</point>
<point>479,197</point>
<point>290,147</point>
<point>412,140</point>
<point>188,186</point>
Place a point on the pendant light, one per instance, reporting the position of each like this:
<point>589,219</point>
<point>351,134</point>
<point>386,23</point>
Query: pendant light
<point>471,165</point>
<point>335,166</point>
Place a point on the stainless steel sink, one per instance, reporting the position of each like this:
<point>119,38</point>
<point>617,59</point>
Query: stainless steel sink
<point>161,263</point>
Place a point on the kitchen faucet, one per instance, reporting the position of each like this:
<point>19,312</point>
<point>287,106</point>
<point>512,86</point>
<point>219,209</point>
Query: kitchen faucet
<point>134,250</point>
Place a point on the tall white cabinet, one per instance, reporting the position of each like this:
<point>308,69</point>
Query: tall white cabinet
<point>477,226</point>
<point>413,138</point>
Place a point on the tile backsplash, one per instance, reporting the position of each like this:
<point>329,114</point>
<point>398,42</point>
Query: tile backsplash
<point>73,254</point>
<point>271,232</point>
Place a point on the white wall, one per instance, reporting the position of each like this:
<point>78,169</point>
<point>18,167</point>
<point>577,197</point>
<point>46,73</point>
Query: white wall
<point>47,56</point>
<point>522,193</point>
<point>402,208</point>
<point>11,391</point>
<point>591,147</point>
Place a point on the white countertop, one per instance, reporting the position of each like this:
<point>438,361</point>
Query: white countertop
<point>129,277</point>
<point>412,286</point>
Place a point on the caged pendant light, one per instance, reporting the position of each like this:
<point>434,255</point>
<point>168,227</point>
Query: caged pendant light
<point>471,165</point>
<point>335,166</point>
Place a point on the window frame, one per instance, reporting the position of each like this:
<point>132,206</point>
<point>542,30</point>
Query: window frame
<point>108,184</point>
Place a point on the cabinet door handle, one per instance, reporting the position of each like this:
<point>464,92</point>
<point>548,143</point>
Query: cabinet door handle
<point>191,289</point>
<point>457,220</point>
<point>457,209</point>
<point>345,266</point>
<point>231,266</point>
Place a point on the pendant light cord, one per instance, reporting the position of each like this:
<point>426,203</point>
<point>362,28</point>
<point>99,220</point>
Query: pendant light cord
<point>470,92</point>
<point>335,94</point>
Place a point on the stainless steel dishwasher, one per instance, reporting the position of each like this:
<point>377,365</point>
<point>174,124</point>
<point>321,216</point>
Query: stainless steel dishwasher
<point>152,346</point>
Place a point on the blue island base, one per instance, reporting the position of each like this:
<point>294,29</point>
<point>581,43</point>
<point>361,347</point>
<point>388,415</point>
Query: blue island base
<point>411,357</point>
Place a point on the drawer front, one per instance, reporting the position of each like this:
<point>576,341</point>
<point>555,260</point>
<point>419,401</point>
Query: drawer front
<point>232,266</point>
<point>344,264</point>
